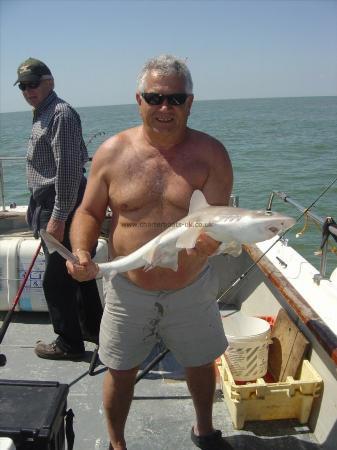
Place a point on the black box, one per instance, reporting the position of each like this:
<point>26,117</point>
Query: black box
<point>32,413</point>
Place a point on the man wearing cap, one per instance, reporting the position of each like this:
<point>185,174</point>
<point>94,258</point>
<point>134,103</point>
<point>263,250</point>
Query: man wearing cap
<point>55,172</point>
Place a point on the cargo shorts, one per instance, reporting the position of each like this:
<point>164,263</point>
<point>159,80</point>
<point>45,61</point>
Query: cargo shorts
<point>187,320</point>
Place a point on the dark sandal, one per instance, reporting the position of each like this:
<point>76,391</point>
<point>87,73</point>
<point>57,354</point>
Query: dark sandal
<point>212,441</point>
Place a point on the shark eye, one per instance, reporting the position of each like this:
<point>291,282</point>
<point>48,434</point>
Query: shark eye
<point>273,229</point>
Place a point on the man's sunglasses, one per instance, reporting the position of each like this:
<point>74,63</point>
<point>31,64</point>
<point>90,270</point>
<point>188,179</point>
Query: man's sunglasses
<point>153,98</point>
<point>24,86</point>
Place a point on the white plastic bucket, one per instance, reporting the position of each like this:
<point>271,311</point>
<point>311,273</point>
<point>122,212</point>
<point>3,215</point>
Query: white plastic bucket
<point>248,340</point>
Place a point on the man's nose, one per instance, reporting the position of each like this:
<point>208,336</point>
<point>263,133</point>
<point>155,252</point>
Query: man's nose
<point>165,103</point>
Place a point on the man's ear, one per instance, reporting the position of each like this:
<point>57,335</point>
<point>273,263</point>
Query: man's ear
<point>138,98</point>
<point>189,100</point>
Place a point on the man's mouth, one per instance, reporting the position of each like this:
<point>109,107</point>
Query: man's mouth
<point>164,119</point>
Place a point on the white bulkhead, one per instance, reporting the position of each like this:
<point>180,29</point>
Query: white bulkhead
<point>16,254</point>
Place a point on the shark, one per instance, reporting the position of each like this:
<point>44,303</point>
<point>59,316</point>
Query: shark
<point>231,226</point>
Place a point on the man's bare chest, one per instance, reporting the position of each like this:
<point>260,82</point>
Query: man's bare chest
<point>156,180</point>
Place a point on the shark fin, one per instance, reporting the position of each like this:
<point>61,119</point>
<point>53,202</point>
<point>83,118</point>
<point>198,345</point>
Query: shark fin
<point>234,248</point>
<point>150,256</point>
<point>188,238</point>
<point>171,263</point>
<point>198,201</point>
<point>158,257</point>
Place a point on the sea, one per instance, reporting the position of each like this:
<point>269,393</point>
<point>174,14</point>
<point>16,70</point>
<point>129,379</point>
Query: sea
<point>275,144</point>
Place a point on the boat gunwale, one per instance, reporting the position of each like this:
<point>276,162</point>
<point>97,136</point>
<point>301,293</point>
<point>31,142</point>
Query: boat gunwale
<point>322,332</point>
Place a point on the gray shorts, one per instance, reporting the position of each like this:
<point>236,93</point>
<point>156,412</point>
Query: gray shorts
<point>187,320</point>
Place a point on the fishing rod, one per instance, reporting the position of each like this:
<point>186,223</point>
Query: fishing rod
<point>99,133</point>
<point>255,263</point>
<point>10,313</point>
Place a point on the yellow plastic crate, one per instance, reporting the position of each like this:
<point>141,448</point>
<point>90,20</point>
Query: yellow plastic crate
<point>291,399</point>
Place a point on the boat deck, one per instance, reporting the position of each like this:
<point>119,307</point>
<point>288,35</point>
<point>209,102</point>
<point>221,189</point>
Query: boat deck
<point>161,414</point>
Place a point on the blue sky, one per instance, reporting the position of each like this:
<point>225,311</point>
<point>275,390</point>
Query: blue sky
<point>235,49</point>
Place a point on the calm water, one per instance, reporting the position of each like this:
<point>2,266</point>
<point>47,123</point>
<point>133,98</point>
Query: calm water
<point>285,144</point>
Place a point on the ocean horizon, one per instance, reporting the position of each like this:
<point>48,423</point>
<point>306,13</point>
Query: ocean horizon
<point>284,144</point>
<point>195,100</point>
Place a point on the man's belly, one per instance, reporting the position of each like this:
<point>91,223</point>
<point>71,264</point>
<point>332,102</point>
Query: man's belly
<point>160,278</point>
<point>125,239</point>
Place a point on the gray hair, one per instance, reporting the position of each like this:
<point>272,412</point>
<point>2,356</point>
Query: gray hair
<point>165,65</point>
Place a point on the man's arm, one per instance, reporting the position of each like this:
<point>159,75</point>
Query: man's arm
<point>219,184</point>
<point>87,221</point>
<point>217,190</point>
<point>66,142</point>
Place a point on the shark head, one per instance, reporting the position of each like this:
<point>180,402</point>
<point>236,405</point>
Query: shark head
<point>245,226</point>
<point>261,225</point>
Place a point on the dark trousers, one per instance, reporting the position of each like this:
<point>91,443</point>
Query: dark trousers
<point>75,308</point>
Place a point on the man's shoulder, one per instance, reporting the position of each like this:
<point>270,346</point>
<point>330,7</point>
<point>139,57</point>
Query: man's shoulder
<point>201,139</point>
<point>122,139</point>
<point>63,107</point>
<point>129,133</point>
<point>116,144</point>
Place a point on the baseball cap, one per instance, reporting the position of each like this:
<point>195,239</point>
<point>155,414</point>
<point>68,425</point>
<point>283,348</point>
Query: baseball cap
<point>32,70</point>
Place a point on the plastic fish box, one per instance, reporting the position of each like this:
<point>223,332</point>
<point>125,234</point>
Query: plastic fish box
<point>260,400</point>
<point>32,414</point>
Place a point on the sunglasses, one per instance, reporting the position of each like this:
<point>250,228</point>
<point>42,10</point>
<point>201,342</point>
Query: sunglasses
<point>153,98</point>
<point>24,86</point>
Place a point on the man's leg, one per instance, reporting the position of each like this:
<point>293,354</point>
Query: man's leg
<point>201,382</point>
<point>118,387</point>
<point>60,293</point>
<point>90,310</point>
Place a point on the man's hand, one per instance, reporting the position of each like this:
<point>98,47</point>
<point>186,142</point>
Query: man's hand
<point>85,270</point>
<point>56,229</point>
<point>205,246</point>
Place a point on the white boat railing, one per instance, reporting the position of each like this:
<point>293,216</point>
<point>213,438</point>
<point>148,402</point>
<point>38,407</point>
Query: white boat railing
<point>317,219</point>
<point>234,199</point>
<point>2,193</point>
<point>2,178</point>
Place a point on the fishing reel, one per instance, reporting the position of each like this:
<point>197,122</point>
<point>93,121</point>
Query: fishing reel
<point>3,360</point>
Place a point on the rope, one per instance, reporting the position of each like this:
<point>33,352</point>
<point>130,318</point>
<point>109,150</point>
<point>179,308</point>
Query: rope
<point>305,226</point>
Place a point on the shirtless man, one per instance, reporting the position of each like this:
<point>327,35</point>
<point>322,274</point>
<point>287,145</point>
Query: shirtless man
<point>147,175</point>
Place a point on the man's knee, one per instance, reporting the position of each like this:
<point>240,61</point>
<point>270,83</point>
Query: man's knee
<point>200,373</point>
<point>120,378</point>
<point>122,374</point>
<point>118,384</point>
